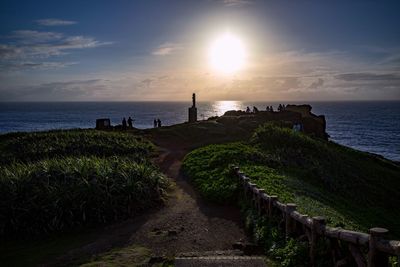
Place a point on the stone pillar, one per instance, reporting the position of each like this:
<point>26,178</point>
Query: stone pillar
<point>193,110</point>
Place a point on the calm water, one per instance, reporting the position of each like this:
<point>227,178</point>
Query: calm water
<point>367,126</point>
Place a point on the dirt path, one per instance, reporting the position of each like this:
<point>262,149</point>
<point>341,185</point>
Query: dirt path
<point>185,224</point>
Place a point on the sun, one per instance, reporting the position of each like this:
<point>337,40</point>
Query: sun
<point>227,54</point>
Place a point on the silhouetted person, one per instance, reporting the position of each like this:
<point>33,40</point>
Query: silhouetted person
<point>247,110</point>
<point>271,109</point>
<point>280,107</point>
<point>158,122</point>
<point>267,109</point>
<point>155,123</point>
<point>255,109</point>
<point>130,122</point>
<point>124,124</point>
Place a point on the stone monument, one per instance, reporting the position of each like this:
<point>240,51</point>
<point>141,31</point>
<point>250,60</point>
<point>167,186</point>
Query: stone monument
<point>193,110</point>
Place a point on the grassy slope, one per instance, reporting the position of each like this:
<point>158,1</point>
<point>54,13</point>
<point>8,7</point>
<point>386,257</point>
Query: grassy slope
<point>51,182</point>
<point>352,189</point>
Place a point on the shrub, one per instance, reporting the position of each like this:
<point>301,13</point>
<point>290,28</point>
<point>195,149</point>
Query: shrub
<point>352,189</point>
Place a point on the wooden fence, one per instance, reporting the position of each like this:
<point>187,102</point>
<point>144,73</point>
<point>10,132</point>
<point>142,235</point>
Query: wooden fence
<point>370,250</point>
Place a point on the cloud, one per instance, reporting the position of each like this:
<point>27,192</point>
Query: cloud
<point>365,76</point>
<point>33,46</point>
<point>55,22</point>
<point>56,91</point>
<point>316,84</point>
<point>147,82</point>
<point>16,66</point>
<point>44,49</point>
<point>9,51</point>
<point>29,36</point>
<point>167,49</point>
<point>236,3</point>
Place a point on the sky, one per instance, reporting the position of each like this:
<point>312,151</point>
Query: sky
<point>151,50</point>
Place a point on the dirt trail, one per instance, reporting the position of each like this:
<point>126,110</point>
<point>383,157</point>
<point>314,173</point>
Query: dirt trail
<point>185,224</point>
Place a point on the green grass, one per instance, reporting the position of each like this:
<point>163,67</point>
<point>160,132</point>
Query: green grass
<point>28,147</point>
<point>60,180</point>
<point>352,189</point>
<point>57,194</point>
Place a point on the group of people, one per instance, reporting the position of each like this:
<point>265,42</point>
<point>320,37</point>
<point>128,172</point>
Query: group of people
<point>125,125</point>
<point>255,109</point>
<point>157,123</point>
<point>281,107</point>
<point>128,123</point>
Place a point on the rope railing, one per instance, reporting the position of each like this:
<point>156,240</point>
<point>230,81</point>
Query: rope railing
<point>312,229</point>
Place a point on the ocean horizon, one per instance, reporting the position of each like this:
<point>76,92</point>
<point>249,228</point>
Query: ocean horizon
<point>371,126</point>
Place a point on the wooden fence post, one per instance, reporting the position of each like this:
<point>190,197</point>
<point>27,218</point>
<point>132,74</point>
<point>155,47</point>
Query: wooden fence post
<point>260,201</point>
<point>245,186</point>
<point>271,202</point>
<point>318,223</point>
<point>236,170</point>
<point>375,257</point>
<point>290,226</point>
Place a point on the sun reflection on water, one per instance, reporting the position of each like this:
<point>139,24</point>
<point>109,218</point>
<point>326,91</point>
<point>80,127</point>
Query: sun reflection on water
<point>220,107</point>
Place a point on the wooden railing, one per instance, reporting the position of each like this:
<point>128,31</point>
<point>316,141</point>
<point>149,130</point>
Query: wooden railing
<point>370,250</point>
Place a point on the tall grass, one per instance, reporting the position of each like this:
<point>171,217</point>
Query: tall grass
<point>57,194</point>
<point>27,147</point>
<point>59,180</point>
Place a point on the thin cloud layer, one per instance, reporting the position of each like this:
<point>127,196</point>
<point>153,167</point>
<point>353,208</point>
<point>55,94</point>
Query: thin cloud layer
<point>55,22</point>
<point>167,49</point>
<point>236,3</point>
<point>34,46</point>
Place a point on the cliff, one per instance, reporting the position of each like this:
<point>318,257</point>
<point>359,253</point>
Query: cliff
<point>293,116</point>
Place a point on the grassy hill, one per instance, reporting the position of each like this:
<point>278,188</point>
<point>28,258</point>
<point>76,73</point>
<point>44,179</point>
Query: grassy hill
<point>352,189</point>
<point>60,180</point>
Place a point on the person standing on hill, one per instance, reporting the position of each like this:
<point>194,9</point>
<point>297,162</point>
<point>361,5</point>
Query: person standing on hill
<point>124,124</point>
<point>130,122</point>
<point>158,122</point>
<point>155,123</point>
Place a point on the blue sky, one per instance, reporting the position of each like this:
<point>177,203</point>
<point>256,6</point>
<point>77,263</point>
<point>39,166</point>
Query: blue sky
<point>157,50</point>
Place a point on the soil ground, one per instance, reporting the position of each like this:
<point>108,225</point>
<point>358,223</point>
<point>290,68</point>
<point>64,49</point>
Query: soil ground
<point>184,224</point>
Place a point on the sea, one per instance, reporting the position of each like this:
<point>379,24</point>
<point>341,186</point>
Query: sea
<point>368,126</point>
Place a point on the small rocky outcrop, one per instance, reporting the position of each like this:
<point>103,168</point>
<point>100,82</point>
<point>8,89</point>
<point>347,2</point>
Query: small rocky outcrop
<point>292,116</point>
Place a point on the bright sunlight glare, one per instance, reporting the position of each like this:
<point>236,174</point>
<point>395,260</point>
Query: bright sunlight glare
<point>227,54</point>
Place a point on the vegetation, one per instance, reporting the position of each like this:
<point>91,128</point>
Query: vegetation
<point>59,180</point>
<point>352,189</point>
<point>28,147</point>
